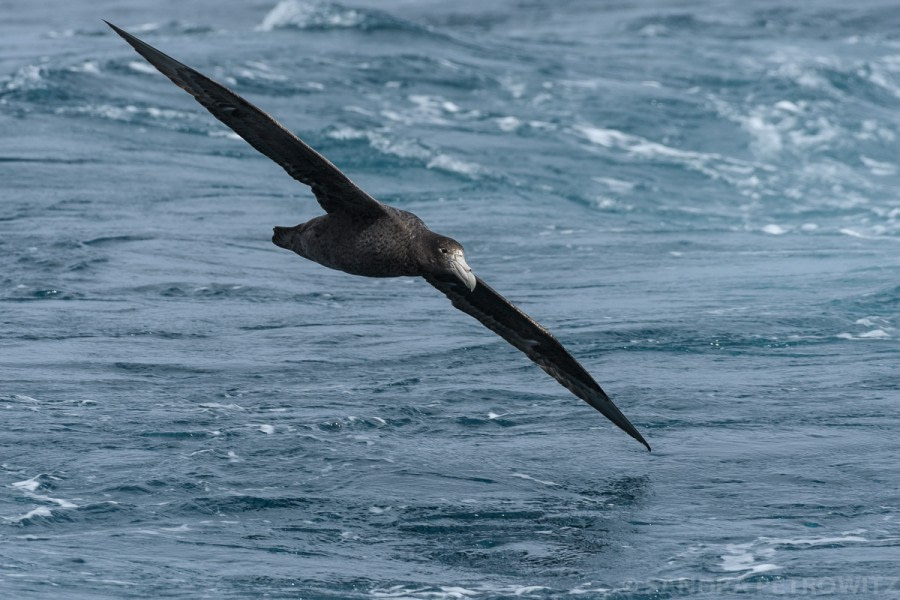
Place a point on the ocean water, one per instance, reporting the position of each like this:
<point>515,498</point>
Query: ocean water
<point>699,198</point>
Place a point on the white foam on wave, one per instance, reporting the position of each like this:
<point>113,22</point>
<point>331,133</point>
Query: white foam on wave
<point>220,405</point>
<point>881,73</point>
<point>508,124</point>
<point>589,588</point>
<point>872,321</point>
<point>873,130</point>
<point>876,232</point>
<point>23,397</point>
<point>530,478</point>
<point>145,27</point>
<point>878,328</point>
<point>401,148</point>
<point>606,137</point>
<point>877,167</point>
<point>845,537</point>
<point>256,70</point>
<point>737,562</point>
<point>40,511</point>
<point>113,582</point>
<point>802,69</point>
<point>739,173</point>
<point>613,138</point>
<point>28,77</point>
<point>61,502</point>
<point>875,334</point>
<point>89,66</point>
<point>429,110</point>
<point>455,592</point>
<point>141,67</point>
<point>514,87</point>
<point>614,187</point>
<point>303,15</point>
<point>743,557</point>
<point>410,149</point>
<point>542,125</point>
<point>65,33</point>
<point>788,106</point>
<point>130,113</point>
<point>28,485</point>
<point>774,229</point>
<point>619,186</point>
<point>766,135</point>
<point>784,125</point>
<point>348,133</point>
<point>226,133</point>
<point>446,105</point>
<point>815,133</point>
<point>445,162</point>
<point>740,561</point>
<point>127,112</point>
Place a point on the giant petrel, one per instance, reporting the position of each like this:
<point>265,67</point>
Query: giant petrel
<point>360,235</point>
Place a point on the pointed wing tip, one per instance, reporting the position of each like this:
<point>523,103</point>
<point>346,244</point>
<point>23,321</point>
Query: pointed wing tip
<point>123,34</point>
<point>633,432</point>
<point>141,47</point>
<point>114,28</point>
<point>605,406</point>
<point>611,412</point>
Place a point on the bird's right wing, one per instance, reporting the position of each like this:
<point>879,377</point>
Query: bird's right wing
<point>503,318</point>
<point>332,188</point>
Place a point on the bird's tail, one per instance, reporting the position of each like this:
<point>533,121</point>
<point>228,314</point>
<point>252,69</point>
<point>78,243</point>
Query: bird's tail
<point>283,237</point>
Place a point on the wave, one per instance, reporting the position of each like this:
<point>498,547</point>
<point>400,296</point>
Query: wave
<point>167,28</point>
<point>381,140</point>
<point>299,14</point>
<point>42,85</point>
<point>739,173</point>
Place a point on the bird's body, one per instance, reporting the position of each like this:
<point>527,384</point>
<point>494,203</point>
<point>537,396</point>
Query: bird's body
<point>384,246</point>
<point>362,236</point>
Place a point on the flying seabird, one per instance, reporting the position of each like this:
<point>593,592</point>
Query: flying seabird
<point>360,235</point>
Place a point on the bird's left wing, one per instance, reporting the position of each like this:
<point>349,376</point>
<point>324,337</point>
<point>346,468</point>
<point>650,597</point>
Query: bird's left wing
<point>333,189</point>
<point>503,318</point>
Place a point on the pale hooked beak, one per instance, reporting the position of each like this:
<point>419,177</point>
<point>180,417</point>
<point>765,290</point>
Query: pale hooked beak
<point>462,270</point>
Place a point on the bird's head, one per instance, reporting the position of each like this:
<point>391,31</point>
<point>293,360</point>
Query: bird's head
<point>445,256</point>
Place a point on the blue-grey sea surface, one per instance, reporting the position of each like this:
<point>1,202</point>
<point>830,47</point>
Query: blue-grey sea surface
<point>699,198</point>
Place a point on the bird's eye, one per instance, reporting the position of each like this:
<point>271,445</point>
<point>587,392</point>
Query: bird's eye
<point>443,251</point>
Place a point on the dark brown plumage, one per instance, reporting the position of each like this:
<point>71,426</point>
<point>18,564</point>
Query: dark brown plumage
<point>362,236</point>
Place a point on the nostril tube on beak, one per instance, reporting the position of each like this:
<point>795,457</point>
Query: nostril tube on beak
<point>463,270</point>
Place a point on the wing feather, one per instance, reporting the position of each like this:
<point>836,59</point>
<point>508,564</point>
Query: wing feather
<point>332,188</point>
<point>503,318</point>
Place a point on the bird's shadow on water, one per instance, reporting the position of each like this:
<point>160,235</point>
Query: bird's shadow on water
<point>503,527</point>
<point>556,529</point>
